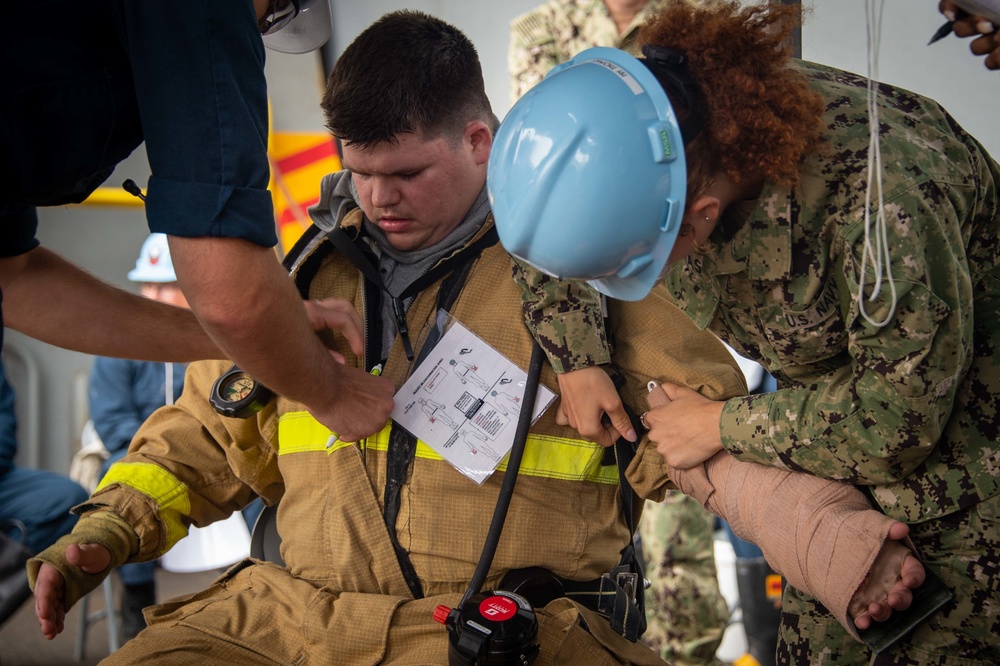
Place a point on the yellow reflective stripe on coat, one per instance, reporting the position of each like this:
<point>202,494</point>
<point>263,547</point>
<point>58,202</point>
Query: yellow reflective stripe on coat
<point>544,455</point>
<point>170,495</point>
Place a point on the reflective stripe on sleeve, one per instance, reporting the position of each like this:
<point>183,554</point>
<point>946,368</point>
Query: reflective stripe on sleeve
<point>544,455</point>
<point>165,489</point>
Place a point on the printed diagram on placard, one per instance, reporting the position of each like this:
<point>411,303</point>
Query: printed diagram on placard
<point>464,401</point>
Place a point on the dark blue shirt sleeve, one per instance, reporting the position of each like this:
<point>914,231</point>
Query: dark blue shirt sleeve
<point>198,67</point>
<point>19,226</point>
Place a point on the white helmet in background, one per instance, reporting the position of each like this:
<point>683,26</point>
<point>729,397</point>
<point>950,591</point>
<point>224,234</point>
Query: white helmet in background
<point>154,263</point>
<point>297,26</point>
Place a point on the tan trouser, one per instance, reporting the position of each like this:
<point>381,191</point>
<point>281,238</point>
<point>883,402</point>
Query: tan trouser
<point>260,614</point>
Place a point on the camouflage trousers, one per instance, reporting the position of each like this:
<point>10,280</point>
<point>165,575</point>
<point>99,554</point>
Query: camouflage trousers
<point>686,613</point>
<point>963,549</point>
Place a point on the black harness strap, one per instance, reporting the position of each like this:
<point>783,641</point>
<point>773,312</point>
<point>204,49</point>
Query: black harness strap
<point>346,245</point>
<point>366,265</point>
<point>403,445</point>
<point>301,263</point>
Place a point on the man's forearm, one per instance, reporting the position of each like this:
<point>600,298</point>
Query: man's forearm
<point>50,299</point>
<point>249,306</point>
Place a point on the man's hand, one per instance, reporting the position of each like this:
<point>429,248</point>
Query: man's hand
<point>683,424</point>
<point>587,395</point>
<point>337,314</point>
<point>360,406</point>
<point>363,408</point>
<point>987,40</point>
<point>890,582</point>
<point>50,588</point>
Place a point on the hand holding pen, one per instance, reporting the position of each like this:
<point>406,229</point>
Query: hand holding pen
<point>969,18</point>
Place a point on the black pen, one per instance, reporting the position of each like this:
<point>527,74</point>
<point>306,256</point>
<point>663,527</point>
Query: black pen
<point>947,28</point>
<point>942,32</point>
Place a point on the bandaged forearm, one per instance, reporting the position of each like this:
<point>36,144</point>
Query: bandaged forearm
<point>822,535</point>
<point>102,527</point>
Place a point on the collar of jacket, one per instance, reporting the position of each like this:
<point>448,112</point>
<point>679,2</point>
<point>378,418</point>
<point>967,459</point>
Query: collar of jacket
<point>352,224</point>
<point>761,250</point>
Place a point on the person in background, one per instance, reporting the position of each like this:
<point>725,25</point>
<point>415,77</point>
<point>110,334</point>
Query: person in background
<point>32,500</point>
<point>123,394</point>
<point>686,613</point>
<point>555,31</point>
<point>88,82</point>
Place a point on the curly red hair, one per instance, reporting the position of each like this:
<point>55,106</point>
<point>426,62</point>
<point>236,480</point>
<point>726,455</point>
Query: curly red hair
<point>761,117</point>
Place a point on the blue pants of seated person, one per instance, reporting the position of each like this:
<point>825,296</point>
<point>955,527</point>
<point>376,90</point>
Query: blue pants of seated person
<point>42,501</point>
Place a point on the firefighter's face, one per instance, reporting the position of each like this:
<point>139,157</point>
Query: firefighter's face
<point>418,189</point>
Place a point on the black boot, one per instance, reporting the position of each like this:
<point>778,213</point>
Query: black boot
<point>760,616</point>
<point>134,599</point>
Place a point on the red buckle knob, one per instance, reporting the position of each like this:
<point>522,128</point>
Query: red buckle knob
<point>441,614</point>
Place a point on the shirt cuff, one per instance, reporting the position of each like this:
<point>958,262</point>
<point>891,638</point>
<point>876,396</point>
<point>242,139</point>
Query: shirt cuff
<point>20,226</point>
<point>747,432</point>
<point>198,210</point>
<point>572,340</point>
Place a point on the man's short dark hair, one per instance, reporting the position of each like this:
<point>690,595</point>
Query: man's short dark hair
<point>407,72</point>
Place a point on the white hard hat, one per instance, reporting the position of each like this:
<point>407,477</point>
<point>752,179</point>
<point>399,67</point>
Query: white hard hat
<point>299,26</point>
<point>154,263</point>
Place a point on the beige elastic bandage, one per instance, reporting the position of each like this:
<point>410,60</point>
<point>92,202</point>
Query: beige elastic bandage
<point>822,535</point>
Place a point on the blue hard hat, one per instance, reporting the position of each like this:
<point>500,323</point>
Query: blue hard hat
<point>587,176</point>
<point>154,263</point>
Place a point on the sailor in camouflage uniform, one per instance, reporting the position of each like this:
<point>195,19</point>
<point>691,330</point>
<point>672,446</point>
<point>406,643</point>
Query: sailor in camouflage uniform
<point>686,614</point>
<point>908,410</point>
<point>554,32</point>
<point>895,389</point>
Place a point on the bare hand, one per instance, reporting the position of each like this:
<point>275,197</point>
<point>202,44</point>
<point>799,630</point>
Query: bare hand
<point>683,424</point>
<point>987,40</point>
<point>359,404</point>
<point>890,582</point>
<point>337,314</point>
<point>587,395</point>
<point>50,588</point>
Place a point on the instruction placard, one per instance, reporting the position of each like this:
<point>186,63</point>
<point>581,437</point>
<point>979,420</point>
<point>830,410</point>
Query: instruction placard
<point>464,401</point>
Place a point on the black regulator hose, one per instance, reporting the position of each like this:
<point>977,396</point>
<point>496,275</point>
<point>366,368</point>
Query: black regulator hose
<point>497,628</point>
<point>509,477</point>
